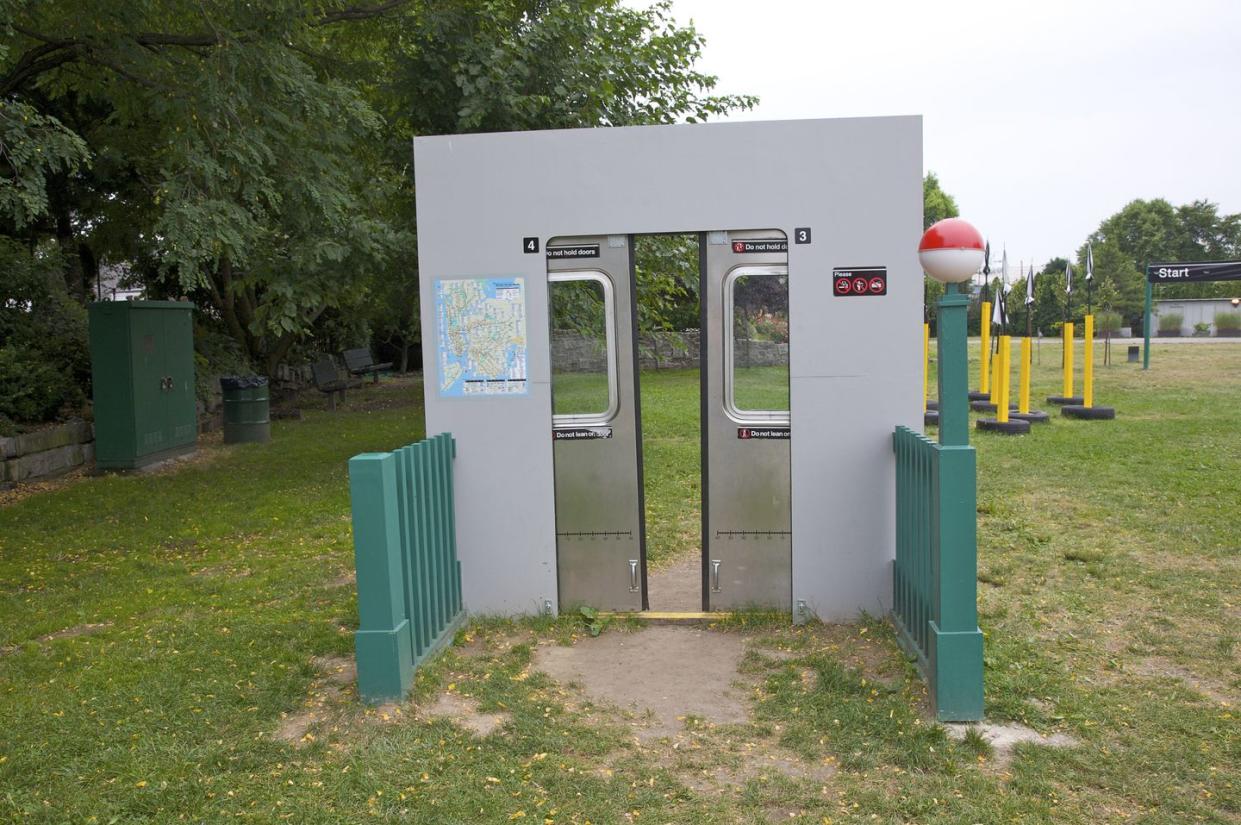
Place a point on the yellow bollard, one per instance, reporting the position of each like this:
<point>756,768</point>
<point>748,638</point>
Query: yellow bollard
<point>1088,364</point>
<point>1023,397</point>
<point>1004,359</point>
<point>984,326</point>
<point>995,375</point>
<point>1068,360</point>
<point>926,363</point>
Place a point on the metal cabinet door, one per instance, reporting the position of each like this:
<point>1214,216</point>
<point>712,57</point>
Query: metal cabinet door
<point>747,521</point>
<point>152,431</point>
<point>179,397</point>
<point>600,544</point>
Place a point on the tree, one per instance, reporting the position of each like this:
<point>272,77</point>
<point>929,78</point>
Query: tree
<point>255,157</point>
<point>1155,230</point>
<point>485,66</point>
<point>936,205</point>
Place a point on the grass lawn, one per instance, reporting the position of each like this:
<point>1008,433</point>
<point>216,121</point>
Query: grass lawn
<point>171,645</point>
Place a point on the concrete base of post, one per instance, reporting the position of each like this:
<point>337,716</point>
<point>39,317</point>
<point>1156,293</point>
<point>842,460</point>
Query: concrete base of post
<point>1061,400</point>
<point>1088,413</point>
<point>1013,426</point>
<point>1033,416</point>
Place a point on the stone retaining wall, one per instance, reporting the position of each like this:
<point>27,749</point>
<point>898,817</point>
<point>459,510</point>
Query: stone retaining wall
<point>46,453</point>
<point>574,352</point>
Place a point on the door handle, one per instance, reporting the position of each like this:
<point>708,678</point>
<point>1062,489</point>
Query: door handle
<point>633,576</point>
<point>715,575</point>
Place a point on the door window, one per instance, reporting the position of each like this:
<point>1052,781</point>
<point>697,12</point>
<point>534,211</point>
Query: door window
<point>583,346</point>
<point>756,300</point>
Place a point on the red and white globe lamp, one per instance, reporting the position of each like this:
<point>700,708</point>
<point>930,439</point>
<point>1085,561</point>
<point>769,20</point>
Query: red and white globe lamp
<point>951,252</point>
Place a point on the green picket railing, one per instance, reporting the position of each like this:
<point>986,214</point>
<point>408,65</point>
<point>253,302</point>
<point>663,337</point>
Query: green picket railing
<point>934,581</point>
<point>405,552</point>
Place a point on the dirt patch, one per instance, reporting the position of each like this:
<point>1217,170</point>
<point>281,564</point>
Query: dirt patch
<point>1005,738</point>
<point>20,491</point>
<point>464,712</point>
<point>750,762</point>
<point>219,571</point>
<point>674,673</point>
<point>678,587</point>
<point>336,675</point>
<point>67,633</point>
<point>343,580</point>
<point>75,631</point>
<point>858,647</point>
<point>1157,667</point>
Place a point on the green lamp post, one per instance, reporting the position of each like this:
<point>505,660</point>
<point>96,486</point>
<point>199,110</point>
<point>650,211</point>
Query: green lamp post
<point>951,252</point>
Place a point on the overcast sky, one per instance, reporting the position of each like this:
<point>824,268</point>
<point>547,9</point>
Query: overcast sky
<point>1040,118</point>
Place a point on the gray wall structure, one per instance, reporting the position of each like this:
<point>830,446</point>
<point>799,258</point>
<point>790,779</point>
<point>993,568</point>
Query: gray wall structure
<point>855,362</point>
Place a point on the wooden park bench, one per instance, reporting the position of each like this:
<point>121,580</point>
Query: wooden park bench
<point>361,362</point>
<point>328,380</point>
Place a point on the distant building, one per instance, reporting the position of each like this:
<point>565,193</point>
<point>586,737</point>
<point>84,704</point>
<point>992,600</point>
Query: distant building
<point>117,283</point>
<point>1193,310</point>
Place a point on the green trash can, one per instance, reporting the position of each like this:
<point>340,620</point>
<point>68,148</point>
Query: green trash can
<point>247,418</point>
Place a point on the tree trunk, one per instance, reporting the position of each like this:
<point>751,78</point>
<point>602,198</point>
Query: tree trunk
<point>65,240</point>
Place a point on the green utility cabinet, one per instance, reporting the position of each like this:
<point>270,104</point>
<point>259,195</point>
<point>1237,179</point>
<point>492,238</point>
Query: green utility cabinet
<point>142,370</point>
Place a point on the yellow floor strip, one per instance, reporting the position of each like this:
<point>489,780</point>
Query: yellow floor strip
<point>666,616</point>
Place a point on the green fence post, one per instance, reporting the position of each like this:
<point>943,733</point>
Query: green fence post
<point>382,643</point>
<point>956,641</point>
<point>955,654</point>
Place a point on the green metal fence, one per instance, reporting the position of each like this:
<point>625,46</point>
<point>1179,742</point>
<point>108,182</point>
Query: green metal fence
<point>935,578</point>
<point>409,579</point>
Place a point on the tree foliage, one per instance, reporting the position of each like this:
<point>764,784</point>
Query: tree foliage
<point>256,157</point>
<point>936,206</point>
<point>1155,230</point>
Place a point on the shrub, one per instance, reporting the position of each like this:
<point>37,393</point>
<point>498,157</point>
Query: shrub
<point>1171,321</point>
<point>1228,321</point>
<point>44,358</point>
<point>1202,329</point>
<point>1108,322</point>
<point>33,387</point>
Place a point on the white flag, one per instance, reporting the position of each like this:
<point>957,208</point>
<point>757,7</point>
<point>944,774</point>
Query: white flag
<point>1068,278</point>
<point>997,313</point>
<point>1089,263</point>
<point>1030,287</point>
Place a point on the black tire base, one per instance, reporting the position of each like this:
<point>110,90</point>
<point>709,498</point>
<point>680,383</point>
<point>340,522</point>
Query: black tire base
<point>1061,400</point>
<point>931,417</point>
<point>1033,416</point>
<point>1088,413</point>
<point>982,406</point>
<point>932,404</point>
<point>1013,426</point>
<point>975,395</point>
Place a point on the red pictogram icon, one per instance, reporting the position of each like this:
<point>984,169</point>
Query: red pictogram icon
<point>877,285</point>
<point>859,285</point>
<point>738,247</point>
<point>843,286</point>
